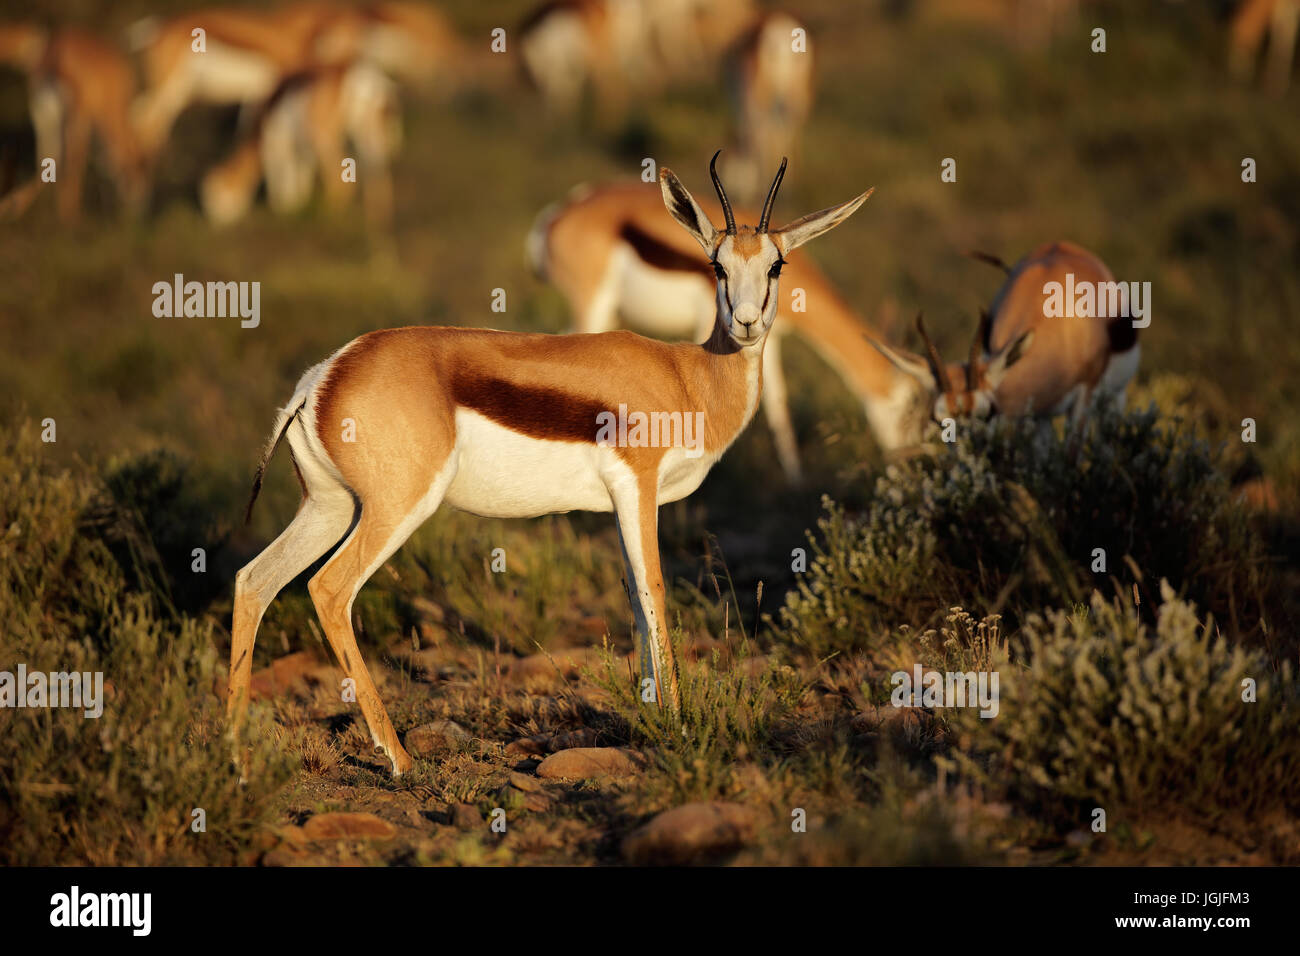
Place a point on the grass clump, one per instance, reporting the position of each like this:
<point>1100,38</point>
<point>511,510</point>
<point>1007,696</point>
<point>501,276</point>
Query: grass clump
<point>1011,517</point>
<point>120,788</point>
<point>1111,711</point>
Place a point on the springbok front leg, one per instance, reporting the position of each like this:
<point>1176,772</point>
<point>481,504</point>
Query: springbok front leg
<point>637,513</point>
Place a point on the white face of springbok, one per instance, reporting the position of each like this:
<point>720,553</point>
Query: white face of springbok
<point>747,260</point>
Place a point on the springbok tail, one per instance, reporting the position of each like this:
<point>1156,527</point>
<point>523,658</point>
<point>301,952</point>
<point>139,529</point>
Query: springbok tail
<point>282,423</point>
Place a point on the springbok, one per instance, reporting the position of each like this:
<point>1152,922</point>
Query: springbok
<point>304,129</point>
<point>1251,21</point>
<point>615,254</point>
<point>567,46</point>
<point>771,87</point>
<point>1024,362</point>
<point>79,89</point>
<point>244,56</point>
<point>510,424</point>
<point>248,54</point>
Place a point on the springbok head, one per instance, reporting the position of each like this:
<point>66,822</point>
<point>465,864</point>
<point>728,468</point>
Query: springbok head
<point>964,391</point>
<point>747,260</point>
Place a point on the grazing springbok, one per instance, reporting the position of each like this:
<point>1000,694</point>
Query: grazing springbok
<point>1023,361</point>
<point>244,55</point>
<point>510,424</point>
<point>305,129</point>
<point>249,53</point>
<point>569,46</point>
<point>771,87</point>
<point>618,258</point>
<point>1251,22</point>
<point>79,89</point>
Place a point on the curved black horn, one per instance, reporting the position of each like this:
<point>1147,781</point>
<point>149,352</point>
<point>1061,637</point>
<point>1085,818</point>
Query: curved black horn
<point>977,346</point>
<point>937,368</point>
<point>722,195</point>
<point>771,197</point>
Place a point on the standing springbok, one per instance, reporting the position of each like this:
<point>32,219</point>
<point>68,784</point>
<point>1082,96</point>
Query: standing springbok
<point>617,257</point>
<point>79,89</point>
<point>770,80</point>
<point>509,424</point>
<point>1024,362</point>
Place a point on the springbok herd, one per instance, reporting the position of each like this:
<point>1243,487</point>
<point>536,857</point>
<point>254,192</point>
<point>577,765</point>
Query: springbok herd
<point>504,424</point>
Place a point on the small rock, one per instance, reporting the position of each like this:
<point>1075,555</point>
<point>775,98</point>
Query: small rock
<point>581,763</point>
<point>434,737</point>
<point>690,833</point>
<point>348,826</point>
<point>582,737</point>
<point>466,817</point>
<point>533,746</point>
<point>521,781</point>
<point>537,802</point>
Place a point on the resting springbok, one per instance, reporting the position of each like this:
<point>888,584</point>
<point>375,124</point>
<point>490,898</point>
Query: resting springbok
<point>509,424</point>
<point>1024,362</point>
<point>79,89</point>
<point>305,129</point>
<point>617,257</point>
<point>771,87</point>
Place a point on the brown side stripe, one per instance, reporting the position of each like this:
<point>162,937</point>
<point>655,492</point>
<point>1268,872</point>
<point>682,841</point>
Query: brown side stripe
<point>660,255</point>
<point>531,410</point>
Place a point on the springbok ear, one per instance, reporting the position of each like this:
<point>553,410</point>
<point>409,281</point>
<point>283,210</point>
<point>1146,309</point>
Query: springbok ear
<point>793,235</point>
<point>1009,356</point>
<point>683,207</point>
<point>908,364</point>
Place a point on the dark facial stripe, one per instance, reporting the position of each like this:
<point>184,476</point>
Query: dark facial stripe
<point>531,410</point>
<point>654,252</point>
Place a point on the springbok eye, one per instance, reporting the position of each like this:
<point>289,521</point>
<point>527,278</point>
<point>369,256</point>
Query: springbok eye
<point>775,271</point>
<point>718,271</point>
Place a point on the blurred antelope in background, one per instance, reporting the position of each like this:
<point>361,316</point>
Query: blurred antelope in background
<point>79,90</point>
<point>616,256</point>
<point>1024,362</point>
<point>770,79</point>
<point>1251,22</point>
<point>250,53</point>
<point>508,424</point>
<point>308,126</point>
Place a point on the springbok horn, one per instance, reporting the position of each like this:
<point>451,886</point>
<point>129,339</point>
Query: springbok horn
<point>771,197</point>
<point>937,368</point>
<point>722,195</point>
<point>976,348</point>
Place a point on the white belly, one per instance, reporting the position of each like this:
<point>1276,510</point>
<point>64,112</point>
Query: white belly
<point>665,304</point>
<point>503,474</point>
<point>227,74</point>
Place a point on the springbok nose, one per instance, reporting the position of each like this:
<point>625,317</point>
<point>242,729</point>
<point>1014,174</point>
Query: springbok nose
<point>746,314</point>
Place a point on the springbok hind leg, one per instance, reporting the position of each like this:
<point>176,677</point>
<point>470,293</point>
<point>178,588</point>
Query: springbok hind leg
<point>384,525</point>
<point>322,520</point>
<point>776,407</point>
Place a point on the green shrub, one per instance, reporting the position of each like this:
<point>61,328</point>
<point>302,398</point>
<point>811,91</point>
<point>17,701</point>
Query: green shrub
<point>119,788</point>
<point>1009,518</point>
<point>1109,711</point>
